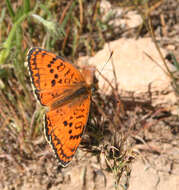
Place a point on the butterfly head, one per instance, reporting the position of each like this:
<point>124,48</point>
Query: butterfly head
<point>88,73</point>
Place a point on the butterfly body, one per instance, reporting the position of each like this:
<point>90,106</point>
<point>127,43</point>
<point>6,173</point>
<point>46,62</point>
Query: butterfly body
<point>61,87</point>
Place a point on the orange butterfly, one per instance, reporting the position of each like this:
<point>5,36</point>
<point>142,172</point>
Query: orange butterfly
<point>66,91</point>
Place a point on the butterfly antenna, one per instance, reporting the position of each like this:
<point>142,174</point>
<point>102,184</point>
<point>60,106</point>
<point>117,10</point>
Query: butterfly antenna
<point>107,61</point>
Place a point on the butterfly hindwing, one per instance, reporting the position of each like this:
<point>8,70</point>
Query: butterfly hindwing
<point>64,128</point>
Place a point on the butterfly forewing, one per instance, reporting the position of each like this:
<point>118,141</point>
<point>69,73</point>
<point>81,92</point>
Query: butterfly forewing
<point>50,73</point>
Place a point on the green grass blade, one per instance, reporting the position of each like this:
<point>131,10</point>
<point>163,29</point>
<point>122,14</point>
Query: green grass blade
<point>8,43</point>
<point>26,6</point>
<point>11,12</point>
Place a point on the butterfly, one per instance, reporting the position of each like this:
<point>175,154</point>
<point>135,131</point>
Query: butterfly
<point>60,86</point>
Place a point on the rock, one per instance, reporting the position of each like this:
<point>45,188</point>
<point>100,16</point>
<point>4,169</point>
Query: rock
<point>149,178</point>
<point>135,71</point>
<point>122,17</point>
